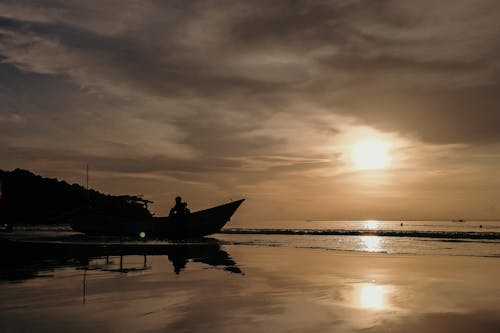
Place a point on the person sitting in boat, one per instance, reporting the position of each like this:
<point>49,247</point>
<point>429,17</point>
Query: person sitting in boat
<point>180,208</point>
<point>185,209</point>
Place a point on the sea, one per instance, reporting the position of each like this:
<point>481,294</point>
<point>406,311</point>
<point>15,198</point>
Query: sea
<point>424,237</point>
<point>296,276</point>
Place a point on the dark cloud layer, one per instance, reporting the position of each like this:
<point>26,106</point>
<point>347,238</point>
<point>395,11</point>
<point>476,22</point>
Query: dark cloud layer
<point>386,59</point>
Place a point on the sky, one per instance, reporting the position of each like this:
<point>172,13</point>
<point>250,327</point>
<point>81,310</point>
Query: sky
<point>266,100</point>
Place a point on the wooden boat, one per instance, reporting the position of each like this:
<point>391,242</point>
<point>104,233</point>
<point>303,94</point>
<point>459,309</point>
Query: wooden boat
<point>193,225</point>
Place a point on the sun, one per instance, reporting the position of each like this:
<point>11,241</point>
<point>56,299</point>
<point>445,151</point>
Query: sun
<point>371,154</point>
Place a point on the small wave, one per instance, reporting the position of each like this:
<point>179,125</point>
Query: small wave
<point>387,233</point>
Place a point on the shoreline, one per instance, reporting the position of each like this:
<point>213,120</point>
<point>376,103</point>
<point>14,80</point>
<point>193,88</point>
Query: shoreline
<point>69,241</point>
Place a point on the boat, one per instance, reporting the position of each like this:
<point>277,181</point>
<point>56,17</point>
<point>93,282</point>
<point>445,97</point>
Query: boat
<point>193,225</point>
<point>458,220</point>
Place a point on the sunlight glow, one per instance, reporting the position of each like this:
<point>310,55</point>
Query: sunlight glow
<point>372,297</point>
<point>372,243</point>
<point>371,224</point>
<point>371,154</point>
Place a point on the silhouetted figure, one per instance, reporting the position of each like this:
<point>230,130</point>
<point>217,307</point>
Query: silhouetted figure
<point>177,207</point>
<point>180,208</point>
<point>481,226</point>
<point>185,209</point>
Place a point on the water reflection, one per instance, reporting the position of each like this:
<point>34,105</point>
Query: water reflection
<point>372,296</point>
<point>371,243</point>
<point>371,224</point>
<point>24,260</point>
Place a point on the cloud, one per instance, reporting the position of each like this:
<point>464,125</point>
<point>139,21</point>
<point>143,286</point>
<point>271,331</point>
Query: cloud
<point>211,89</point>
<point>429,63</point>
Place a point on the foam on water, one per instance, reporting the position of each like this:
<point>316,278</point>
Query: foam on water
<point>375,244</point>
<point>388,233</point>
<point>470,238</point>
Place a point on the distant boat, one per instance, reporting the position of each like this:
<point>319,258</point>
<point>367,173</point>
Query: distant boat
<point>193,225</point>
<point>458,220</point>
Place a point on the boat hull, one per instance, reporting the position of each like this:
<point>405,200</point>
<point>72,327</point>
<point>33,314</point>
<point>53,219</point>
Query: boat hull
<point>194,225</point>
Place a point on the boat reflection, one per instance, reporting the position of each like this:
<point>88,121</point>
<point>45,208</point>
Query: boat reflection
<point>24,260</point>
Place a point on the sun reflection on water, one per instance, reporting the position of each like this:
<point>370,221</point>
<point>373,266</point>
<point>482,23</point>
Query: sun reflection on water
<point>372,296</point>
<point>371,224</point>
<point>371,243</point>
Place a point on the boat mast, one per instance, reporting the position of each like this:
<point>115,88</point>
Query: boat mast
<point>87,185</point>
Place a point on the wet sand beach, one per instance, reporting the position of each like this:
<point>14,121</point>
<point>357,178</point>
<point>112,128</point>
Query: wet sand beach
<point>252,288</point>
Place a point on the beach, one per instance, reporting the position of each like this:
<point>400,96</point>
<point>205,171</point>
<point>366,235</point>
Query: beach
<point>226,286</point>
<point>249,166</point>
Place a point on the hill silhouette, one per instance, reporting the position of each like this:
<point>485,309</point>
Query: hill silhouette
<point>26,198</point>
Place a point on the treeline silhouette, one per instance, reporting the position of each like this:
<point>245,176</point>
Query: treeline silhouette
<point>26,198</point>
